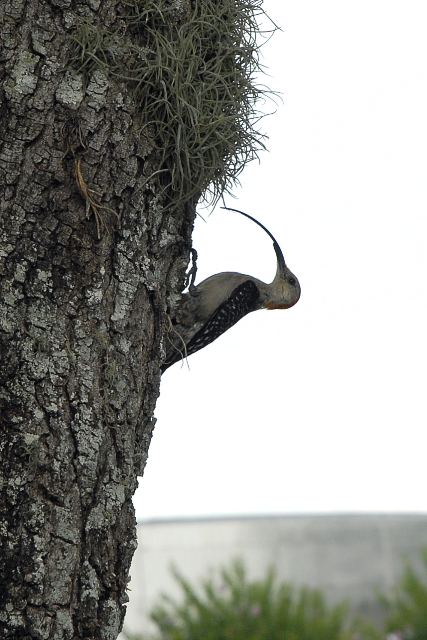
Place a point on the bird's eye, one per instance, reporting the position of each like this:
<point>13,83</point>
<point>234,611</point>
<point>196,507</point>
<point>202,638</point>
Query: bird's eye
<point>292,281</point>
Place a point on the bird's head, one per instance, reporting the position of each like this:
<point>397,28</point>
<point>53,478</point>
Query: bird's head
<point>285,289</point>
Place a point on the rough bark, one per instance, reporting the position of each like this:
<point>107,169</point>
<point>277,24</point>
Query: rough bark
<point>88,259</point>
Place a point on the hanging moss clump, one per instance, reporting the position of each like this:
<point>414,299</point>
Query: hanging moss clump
<point>192,67</point>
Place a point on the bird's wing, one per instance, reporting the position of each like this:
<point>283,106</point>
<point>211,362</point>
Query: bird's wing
<point>241,301</point>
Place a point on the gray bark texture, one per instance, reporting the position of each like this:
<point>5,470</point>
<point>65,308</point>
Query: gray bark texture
<point>89,261</point>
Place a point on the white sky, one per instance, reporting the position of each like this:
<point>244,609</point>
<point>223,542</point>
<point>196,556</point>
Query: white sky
<point>320,408</point>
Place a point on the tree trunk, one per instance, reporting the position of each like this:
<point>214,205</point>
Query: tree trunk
<point>87,258</point>
<point>115,117</point>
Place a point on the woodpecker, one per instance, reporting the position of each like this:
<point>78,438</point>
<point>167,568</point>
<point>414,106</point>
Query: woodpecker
<point>211,308</point>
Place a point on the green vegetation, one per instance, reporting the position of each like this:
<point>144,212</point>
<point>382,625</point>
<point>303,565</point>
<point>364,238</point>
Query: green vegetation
<point>231,608</point>
<point>235,609</point>
<point>191,68</point>
<point>407,606</point>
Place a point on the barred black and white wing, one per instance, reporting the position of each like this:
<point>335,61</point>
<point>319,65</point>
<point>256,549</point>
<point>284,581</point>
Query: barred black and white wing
<point>242,300</point>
